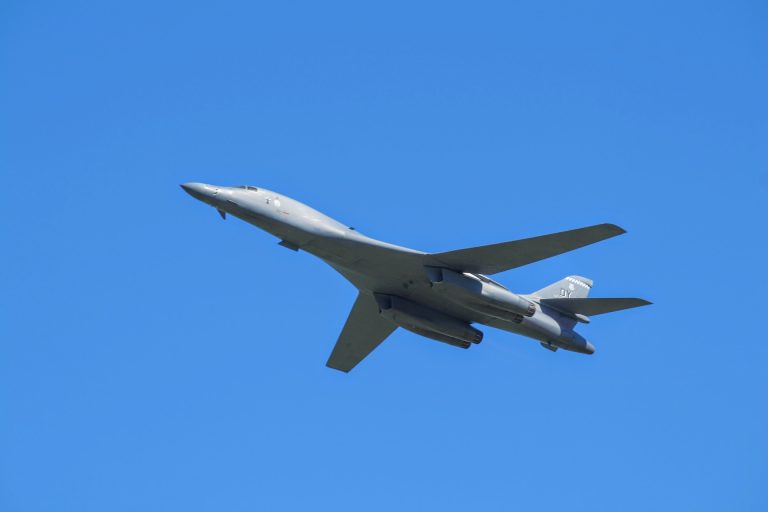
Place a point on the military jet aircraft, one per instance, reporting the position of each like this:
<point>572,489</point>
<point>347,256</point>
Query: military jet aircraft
<point>436,295</point>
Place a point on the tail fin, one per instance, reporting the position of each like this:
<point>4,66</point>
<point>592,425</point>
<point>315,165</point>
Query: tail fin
<point>571,287</point>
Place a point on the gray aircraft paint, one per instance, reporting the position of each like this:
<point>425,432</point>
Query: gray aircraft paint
<point>436,295</point>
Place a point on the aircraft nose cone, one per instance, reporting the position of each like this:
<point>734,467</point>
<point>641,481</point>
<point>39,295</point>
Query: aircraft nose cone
<point>197,190</point>
<point>192,188</point>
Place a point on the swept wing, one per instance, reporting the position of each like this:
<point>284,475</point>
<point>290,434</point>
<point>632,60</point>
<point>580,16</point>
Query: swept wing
<point>364,331</point>
<point>491,259</point>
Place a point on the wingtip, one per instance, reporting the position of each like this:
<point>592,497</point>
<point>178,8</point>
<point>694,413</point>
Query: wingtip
<point>616,230</point>
<point>332,367</point>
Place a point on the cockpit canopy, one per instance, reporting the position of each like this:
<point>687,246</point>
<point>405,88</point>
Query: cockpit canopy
<point>248,187</point>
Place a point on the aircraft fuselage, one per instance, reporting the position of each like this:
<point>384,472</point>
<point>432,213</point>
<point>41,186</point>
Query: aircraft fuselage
<point>433,301</point>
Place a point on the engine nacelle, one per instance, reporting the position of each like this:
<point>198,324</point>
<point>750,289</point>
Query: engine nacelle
<point>470,290</point>
<point>572,341</point>
<point>427,322</point>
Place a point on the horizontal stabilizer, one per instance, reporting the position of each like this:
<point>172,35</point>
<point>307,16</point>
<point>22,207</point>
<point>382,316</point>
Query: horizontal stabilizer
<point>592,307</point>
<point>491,259</point>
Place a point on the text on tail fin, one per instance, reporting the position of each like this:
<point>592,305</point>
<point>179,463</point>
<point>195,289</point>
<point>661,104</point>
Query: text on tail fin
<point>571,287</point>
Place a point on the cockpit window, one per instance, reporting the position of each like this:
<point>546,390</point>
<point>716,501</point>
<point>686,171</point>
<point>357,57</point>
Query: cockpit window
<point>248,187</point>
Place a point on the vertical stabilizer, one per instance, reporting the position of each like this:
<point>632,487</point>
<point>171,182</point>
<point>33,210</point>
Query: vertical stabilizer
<point>571,287</point>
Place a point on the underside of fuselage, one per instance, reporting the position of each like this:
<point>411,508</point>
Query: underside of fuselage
<point>377,267</point>
<point>403,274</point>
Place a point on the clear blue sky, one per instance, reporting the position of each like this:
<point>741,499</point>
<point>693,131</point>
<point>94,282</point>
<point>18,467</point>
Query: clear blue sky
<point>155,358</point>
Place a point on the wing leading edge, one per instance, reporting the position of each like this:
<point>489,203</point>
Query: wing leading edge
<point>491,259</point>
<point>364,331</point>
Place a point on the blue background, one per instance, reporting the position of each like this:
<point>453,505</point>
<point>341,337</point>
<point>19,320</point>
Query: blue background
<point>153,357</point>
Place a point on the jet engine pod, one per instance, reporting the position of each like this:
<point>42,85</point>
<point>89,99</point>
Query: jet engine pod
<point>477,292</point>
<point>427,322</point>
